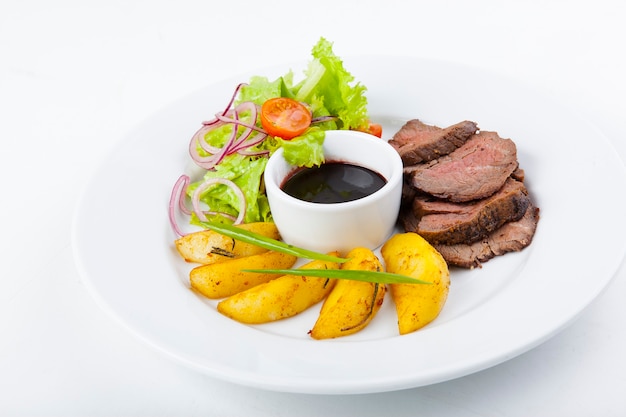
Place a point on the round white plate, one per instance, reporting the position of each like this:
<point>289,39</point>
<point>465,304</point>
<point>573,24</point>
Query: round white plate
<point>125,253</point>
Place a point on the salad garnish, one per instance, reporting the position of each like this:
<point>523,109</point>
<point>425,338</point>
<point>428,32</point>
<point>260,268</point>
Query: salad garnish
<point>234,146</point>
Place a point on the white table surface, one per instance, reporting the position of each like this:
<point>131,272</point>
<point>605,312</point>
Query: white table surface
<point>76,75</point>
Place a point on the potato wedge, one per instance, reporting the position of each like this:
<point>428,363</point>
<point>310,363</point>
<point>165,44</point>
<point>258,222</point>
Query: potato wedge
<point>207,246</point>
<point>351,305</point>
<point>416,304</point>
<point>279,298</point>
<point>223,279</point>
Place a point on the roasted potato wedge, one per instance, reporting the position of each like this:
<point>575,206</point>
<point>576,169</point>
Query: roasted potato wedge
<point>279,298</point>
<point>207,246</point>
<point>223,279</point>
<point>351,305</point>
<point>416,304</point>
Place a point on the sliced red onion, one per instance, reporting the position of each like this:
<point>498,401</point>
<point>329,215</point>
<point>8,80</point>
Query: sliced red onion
<point>249,143</point>
<point>247,152</point>
<point>233,116</point>
<point>228,216</point>
<point>228,107</point>
<point>178,193</point>
<point>236,143</point>
<point>232,98</point>
<point>199,136</point>
<point>195,199</point>
<point>322,119</point>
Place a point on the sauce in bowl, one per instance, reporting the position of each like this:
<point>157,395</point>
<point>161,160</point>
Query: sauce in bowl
<point>365,222</point>
<point>332,182</point>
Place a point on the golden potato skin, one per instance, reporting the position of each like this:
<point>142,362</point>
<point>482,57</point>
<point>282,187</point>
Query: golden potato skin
<point>279,298</point>
<point>351,305</point>
<point>208,246</point>
<point>223,279</point>
<point>416,304</point>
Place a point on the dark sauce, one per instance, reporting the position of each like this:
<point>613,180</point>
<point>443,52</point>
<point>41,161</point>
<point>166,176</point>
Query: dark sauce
<point>333,182</point>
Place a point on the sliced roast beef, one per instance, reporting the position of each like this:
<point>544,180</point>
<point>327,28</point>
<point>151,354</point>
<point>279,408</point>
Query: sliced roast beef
<point>444,222</point>
<point>473,171</point>
<point>417,142</point>
<point>408,193</point>
<point>519,174</point>
<point>511,237</point>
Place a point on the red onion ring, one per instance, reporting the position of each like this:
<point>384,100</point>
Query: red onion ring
<point>322,119</point>
<point>232,98</point>
<point>230,104</point>
<point>232,116</point>
<point>236,142</point>
<point>195,199</point>
<point>178,192</point>
<point>247,152</point>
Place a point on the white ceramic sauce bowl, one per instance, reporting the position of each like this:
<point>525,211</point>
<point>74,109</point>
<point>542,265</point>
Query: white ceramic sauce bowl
<point>366,222</point>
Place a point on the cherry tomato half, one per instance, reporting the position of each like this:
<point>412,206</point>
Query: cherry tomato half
<point>373,129</point>
<point>284,117</point>
<point>376,129</point>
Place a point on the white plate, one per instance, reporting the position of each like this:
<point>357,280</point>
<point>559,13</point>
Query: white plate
<point>124,246</point>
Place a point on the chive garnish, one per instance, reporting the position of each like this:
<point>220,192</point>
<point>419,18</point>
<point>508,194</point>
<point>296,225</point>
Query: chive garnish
<point>278,246</point>
<point>268,243</point>
<point>352,274</point>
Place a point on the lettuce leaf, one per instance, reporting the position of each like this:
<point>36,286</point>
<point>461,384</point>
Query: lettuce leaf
<point>329,82</point>
<point>260,89</point>
<point>305,150</point>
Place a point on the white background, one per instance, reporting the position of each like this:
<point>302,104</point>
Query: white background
<point>76,75</point>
